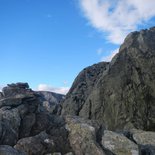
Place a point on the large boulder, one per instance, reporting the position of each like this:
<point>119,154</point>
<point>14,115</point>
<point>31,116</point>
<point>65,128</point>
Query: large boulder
<point>146,141</point>
<point>119,144</point>
<point>123,92</point>
<point>144,137</point>
<point>83,136</point>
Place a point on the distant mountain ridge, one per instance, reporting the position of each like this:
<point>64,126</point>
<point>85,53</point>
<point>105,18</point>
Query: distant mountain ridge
<point>51,101</point>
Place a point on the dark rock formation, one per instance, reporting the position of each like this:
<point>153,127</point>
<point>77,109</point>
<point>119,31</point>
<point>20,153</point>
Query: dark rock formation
<point>51,101</point>
<point>17,113</point>
<point>120,94</point>
<point>27,128</point>
<point>24,122</point>
<point>82,87</point>
<point>39,144</point>
<point>8,150</point>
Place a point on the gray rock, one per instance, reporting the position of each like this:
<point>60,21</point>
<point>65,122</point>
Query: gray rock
<point>82,136</point>
<point>119,144</point>
<point>145,140</point>
<point>17,113</point>
<point>81,88</point>
<point>23,119</point>
<point>121,93</point>
<point>37,145</point>
<point>69,153</point>
<point>8,150</point>
<point>56,153</point>
<point>51,101</point>
<point>147,150</point>
<point>19,85</point>
<point>15,88</point>
<point>144,137</point>
<point>9,126</point>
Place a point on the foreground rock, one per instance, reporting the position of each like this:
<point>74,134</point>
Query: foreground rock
<point>27,128</point>
<point>119,144</point>
<point>23,118</point>
<point>143,137</point>
<point>17,113</point>
<point>146,141</point>
<point>120,94</point>
<point>8,150</point>
<point>39,144</point>
<point>83,136</point>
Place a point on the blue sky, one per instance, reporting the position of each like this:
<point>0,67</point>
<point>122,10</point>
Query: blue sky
<point>48,42</point>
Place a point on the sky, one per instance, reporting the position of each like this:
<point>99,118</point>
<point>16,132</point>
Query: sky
<point>48,42</point>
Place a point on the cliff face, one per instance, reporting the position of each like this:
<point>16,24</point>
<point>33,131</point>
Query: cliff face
<point>82,88</point>
<point>120,94</point>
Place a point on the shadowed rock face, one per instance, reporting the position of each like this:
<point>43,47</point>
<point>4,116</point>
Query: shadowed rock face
<point>51,101</point>
<point>82,88</point>
<point>25,122</point>
<point>122,92</point>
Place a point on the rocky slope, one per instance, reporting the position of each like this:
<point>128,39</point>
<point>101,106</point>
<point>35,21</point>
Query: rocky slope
<point>27,128</point>
<point>119,94</point>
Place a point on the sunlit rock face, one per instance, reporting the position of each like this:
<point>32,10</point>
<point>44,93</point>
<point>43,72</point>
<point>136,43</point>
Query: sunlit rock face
<point>120,94</point>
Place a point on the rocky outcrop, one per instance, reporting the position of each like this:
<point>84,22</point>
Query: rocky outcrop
<point>82,88</point>
<point>83,136</point>
<point>25,124</point>
<point>27,128</point>
<point>17,113</point>
<point>123,92</point>
<point>119,144</point>
<point>39,144</point>
<point>51,101</point>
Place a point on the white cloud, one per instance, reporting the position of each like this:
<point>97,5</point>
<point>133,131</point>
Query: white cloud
<point>1,87</point>
<point>60,90</point>
<point>109,57</point>
<point>117,17</point>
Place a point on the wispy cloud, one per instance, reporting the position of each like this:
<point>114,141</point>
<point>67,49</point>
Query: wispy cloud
<point>117,17</point>
<point>60,90</point>
<point>99,51</point>
<point>1,87</point>
<point>110,56</point>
